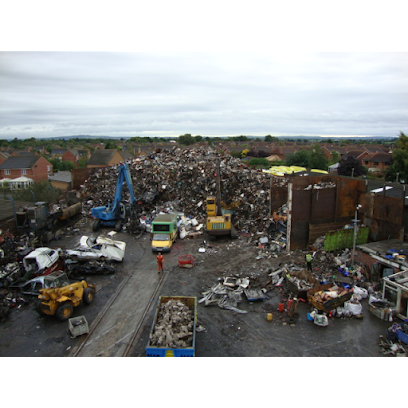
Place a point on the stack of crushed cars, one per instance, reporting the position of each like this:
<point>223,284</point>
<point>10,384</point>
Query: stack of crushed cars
<point>182,179</point>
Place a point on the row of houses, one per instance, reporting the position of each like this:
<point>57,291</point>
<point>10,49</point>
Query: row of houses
<point>18,168</point>
<point>375,157</point>
<point>19,171</point>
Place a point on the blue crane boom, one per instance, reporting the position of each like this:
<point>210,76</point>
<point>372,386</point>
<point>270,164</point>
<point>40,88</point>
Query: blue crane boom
<point>114,215</point>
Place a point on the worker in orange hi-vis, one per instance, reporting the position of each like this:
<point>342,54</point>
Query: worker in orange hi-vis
<point>160,260</point>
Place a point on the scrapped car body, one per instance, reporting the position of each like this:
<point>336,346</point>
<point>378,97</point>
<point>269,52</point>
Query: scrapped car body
<point>42,261</point>
<point>53,280</point>
<point>100,248</point>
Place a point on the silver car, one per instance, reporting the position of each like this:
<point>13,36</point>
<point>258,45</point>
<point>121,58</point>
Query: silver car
<point>97,248</point>
<point>53,280</point>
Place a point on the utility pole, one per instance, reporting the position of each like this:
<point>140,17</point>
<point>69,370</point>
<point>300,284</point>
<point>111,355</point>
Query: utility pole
<point>355,232</point>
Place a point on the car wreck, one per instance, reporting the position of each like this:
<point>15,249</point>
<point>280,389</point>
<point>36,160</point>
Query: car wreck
<point>53,280</point>
<point>42,261</point>
<point>101,248</point>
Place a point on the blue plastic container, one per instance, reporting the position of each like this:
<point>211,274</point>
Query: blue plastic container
<point>401,336</point>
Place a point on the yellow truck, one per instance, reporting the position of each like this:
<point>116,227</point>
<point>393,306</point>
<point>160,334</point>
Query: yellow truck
<point>164,232</point>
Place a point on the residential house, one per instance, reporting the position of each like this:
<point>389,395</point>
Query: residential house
<point>27,152</point>
<point>3,156</point>
<point>281,152</point>
<point>356,154</point>
<point>61,180</point>
<point>377,161</point>
<point>72,155</point>
<point>329,150</point>
<point>34,167</point>
<point>126,155</point>
<point>104,158</point>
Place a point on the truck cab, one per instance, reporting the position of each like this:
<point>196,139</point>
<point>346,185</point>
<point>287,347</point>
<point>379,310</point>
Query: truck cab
<point>164,232</point>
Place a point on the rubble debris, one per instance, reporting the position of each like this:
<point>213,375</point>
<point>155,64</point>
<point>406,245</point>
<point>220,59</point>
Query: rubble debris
<point>327,297</point>
<point>10,274</point>
<point>300,281</point>
<point>380,307</point>
<point>392,344</point>
<point>10,300</point>
<point>174,326</point>
<point>321,185</point>
<point>387,347</point>
<point>7,248</point>
<point>94,267</point>
<point>180,180</point>
<point>254,295</point>
<point>227,293</point>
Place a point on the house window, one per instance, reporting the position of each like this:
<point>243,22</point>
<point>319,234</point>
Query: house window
<point>23,172</point>
<point>6,172</point>
<point>48,169</point>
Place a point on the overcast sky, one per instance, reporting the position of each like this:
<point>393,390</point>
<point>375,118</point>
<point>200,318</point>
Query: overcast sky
<point>53,94</point>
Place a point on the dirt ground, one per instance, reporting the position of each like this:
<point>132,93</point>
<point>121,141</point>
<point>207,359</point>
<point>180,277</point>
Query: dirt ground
<point>225,333</point>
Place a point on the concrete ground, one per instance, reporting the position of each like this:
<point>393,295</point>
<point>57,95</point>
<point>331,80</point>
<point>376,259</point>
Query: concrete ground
<point>231,334</point>
<point>226,333</point>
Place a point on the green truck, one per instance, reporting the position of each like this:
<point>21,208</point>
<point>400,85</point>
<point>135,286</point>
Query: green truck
<point>164,232</point>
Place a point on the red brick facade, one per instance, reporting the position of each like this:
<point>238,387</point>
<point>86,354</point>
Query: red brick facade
<point>38,172</point>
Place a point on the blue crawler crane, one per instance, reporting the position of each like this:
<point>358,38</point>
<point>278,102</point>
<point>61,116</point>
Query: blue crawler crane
<point>115,214</point>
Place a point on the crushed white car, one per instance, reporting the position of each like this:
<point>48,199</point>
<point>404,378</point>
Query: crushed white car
<point>42,261</point>
<point>101,248</point>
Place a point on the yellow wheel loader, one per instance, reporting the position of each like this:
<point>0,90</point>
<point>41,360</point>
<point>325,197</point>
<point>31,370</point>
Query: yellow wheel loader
<point>60,302</point>
<point>218,223</point>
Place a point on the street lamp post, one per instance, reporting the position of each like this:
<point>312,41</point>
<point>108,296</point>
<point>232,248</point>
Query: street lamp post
<point>355,232</point>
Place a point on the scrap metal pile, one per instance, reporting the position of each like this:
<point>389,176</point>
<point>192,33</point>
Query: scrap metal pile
<point>180,180</point>
<point>174,326</point>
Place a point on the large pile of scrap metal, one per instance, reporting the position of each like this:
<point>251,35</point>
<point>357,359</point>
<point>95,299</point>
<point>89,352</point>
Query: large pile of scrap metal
<point>299,281</point>
<point>7,252</point>
<point>182,179</point>
<point>174,326</point>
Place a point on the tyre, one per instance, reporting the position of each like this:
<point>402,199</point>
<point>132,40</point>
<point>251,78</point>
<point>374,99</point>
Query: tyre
<point>38,307</point>
<point>96,225</point>
<point>88,296</point>
<point>118,226</point>
<point>64,311</point>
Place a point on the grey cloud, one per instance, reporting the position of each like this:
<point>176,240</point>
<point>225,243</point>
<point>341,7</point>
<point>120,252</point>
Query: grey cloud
<point>57,94</point>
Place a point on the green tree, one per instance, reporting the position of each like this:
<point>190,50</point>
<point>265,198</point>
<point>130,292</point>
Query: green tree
<point>311,159</point>
<point>110,145</point>
<point>66,165</point>
<point>260,163</point>
<point>271,139</point>
<point>186,139</point>
<point>317,160</point>
<point>351,167</point>
<point>82,162</point>
<point>399,166</point>
<point>43,191</point>
<point>299,158</point>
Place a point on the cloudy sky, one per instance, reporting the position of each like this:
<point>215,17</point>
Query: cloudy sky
<point>171,93</point>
